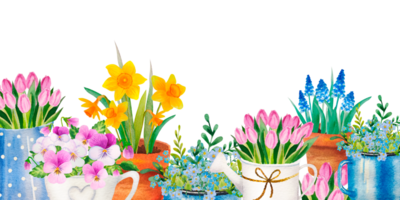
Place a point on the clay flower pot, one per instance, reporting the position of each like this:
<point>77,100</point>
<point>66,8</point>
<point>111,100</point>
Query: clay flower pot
<point>143,161</point>
<point>325,150</point>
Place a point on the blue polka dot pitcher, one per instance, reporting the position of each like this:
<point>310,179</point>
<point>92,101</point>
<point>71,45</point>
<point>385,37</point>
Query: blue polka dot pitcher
<point>15,181</point>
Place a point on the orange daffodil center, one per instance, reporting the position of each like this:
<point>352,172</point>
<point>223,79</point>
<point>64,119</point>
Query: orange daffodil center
<point>115,115</point>
<point>168,93</point>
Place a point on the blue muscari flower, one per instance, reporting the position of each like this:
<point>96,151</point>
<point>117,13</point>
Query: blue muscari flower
<point>303,105</point>
<point>322,91</point>
<point>338,87</point>
<point>165,153</point>
<point>309,90</point>
<point>348,102</point>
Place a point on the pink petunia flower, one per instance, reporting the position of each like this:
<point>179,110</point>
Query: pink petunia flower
<point>42,145</point>
<point>76,152</point>
<point>95,174</point>
<point>84,135</point>
<point>104,148</point>
<point>60,136</point>
<point>57,165</point>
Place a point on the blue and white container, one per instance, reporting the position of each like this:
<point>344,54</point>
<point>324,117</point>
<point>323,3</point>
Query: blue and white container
<point>15,181</point>
<point>194,195</point>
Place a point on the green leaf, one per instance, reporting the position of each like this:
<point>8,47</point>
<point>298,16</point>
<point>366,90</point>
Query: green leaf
<point>53,118</point>
<point>379,113</point>
<point>323,119</point>
<point>380,106</point>
<point>58,148</point>
<point>215,129</point>
<point>138,124</point>
<point>303,121</point>
<point>156,132</point>
<point>336,137</point>
<point>129,166</point>
<point>207,118</point>
<point>307,145</point>
<point>100,127</point>
<point>158,166</point>
<point>34,105</point>
<point>17,111</point>
<point>144,171</point>
<point>208,129</point>
<point>73,131</point>
<point>178,181</point>
<point>380,98</point>
<point>315,114</point>
<point>244,156</point>
<point>52,111</point>
<point>38,171</point>
<point>204,136</point>
<point>96,94</point>
<point>216,141</point>
<point>188,186</point>
<point>148,130</point>
<point>387,115</point>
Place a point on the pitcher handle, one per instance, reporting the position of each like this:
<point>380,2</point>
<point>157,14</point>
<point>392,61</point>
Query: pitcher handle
<point>315,176</point>
<point>135,176</point>
<point>344,190</point>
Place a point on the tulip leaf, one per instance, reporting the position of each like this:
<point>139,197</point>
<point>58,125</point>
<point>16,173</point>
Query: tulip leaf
<point>4,122</point>
<point>303,121</point>
<point>96,94</point>
<point>38,171</point>
<point>139,118</point>
<point>244,156</point>
<point>155,133</point>
<point>52,111</point>
<point>33,111</point>
<point>54,117</point>
<point>129,166</point>
<point>100,127</point>
<point>307,145</point>
<point>148,130</point>
<point>331,183</point>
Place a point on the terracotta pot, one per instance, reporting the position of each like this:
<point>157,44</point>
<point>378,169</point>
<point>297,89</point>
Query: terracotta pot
<point>143,161</point>
<point>325,150</point>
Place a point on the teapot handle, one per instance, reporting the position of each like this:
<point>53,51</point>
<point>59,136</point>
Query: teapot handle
<point>313,181</point>
<point>135,176</point>
<point>342,189</point>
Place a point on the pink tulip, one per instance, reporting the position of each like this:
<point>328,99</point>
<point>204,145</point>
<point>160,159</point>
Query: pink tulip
<point>2,103</point>
<point>10,100</point>
<point>284,136</point>
<point>104,148</point>
<point>241,138</point>
<point>264,117</point>
<point>84,135</point>
<point>27,165</point>
<point>273,119</point>
<point>128,152</point>
<point>290,120</point>
<point>46,83</point>
<point>326,171</point>
<point>344,178</point>
<point>55,98</point>
<point>20,83</point>
<point>251,135</point>
<point>271,139</point>
<point>300,145</point>
<point>308,127</point>
<point>336,195</point>
<point>248,121</point>
<point>307,181</point>
<point>45,131</point>
<point>321,188</point>
<point>32,76</point>
<point>95,175</point>
<point>294,138</point>
<point>44,97</point>
<point>116,173</point>
<point>7,86</point>
<point>57,165</point>
<point>24,104</point>
<point>73,121</point>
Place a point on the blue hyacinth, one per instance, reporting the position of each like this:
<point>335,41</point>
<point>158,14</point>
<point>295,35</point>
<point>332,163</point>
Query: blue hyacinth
<point>338,87</point>
<point>303,103</point>
<point>309,91</point>
<point>322,92</point>
<point>348,102</point>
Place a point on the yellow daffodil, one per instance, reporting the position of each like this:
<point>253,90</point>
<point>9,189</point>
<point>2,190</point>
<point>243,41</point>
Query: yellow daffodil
<point>168,93</point>
<point>156,118</point>
<point>115,115</point>
<point>93,109</point>
<point>124,81</point>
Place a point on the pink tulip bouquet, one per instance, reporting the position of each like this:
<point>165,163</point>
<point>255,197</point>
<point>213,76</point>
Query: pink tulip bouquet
<point>71,151</point>
<point>28,102</point>
<point>326,186</point>
<point>268,139</point>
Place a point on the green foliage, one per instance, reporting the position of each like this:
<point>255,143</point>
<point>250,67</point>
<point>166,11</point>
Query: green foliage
<point>100,126</point>
<point>381,112</point>
<point>178,145</point>
<point>155,133</point>
<point>38,171</point>
<point>129,166</point>
<point>358,122</point>
<point>211,132</point>
<point>73,131</point>
<point>138,124</point>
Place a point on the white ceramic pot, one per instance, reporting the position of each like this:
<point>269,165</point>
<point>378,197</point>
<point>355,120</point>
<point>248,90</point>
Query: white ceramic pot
<point>75,188</point>
<point>264,181</point>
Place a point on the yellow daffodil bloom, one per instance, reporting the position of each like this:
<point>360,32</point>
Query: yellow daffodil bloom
<point>124,81</point>
<point>115,115</point>
<point>93,109</point>
<point>168,93</point>
<point>156,118</point>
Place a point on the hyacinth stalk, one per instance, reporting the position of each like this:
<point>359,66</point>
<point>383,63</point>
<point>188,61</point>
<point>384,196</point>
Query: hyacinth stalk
<point>323,110</point>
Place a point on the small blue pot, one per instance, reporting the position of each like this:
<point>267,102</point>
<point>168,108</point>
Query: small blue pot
<point>370,178</point>
<point>193,195</point>
<point>15,181</point>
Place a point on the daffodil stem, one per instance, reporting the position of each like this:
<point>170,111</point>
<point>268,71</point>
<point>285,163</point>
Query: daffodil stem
<point>158,109</point>
<point>119,138</point>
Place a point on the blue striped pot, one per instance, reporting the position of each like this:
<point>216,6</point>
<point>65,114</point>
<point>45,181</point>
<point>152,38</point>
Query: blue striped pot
<point>15,181</point>
<point>370,178</point>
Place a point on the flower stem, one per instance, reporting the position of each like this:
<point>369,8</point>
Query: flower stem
<point>158,109</point>
<point>33,160</point>
<point>119,138</point>
<point>62,121</point>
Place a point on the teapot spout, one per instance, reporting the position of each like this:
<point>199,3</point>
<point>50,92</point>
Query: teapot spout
<point>219,165</point>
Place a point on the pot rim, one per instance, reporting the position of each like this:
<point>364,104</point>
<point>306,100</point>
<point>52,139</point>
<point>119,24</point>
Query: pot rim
<point>201,193</point>
<point>372,154</point>
<point>275,165</point>
<point>17,130</point>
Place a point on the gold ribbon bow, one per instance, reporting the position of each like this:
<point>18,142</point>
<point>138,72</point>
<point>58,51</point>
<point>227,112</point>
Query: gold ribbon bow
<point>269,180</point>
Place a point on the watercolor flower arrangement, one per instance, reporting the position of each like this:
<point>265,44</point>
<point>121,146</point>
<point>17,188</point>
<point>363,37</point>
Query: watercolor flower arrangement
<point>69,151</point>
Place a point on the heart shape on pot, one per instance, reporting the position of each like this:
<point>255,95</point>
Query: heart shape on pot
<point>86,193</point>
